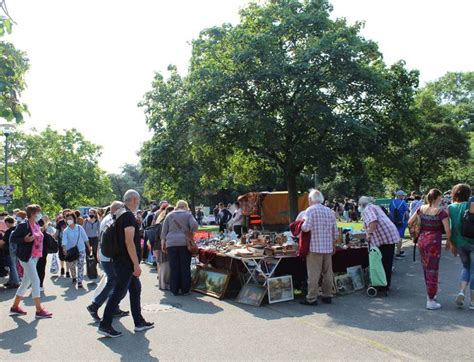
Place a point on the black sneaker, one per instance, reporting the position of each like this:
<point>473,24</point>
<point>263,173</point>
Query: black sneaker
<point>74,280</point>
<point>144,326</point>
<point>326,300</point>
<point>109,332</point>
<point>305,302</point>
<point>120,313</point>
<point>80,286</point>
<point>68,275</point>
<point>62,271</point>
<point>92,309</point>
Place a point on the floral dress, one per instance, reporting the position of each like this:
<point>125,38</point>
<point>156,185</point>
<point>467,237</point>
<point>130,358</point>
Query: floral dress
<point>429,244</point>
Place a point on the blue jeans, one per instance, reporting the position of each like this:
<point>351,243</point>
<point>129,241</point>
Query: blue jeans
<point>180,269</point>
<point>466,253</point>
<point>10,262</point>
<point>109,286</point>
<point>125,281</point>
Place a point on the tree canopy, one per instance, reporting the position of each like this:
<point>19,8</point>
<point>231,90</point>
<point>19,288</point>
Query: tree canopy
<point>57,170</point>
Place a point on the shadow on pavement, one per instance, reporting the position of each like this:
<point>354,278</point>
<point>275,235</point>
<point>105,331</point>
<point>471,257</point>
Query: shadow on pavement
<point>192,303</point>
<point>403,310</point>
<point>131,346</point>
<point>15,342</point>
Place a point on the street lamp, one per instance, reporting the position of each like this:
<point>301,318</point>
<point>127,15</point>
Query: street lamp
<point>7,130</point>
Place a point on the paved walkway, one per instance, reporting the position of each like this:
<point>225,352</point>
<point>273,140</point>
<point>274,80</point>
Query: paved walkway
<point>355,327</point>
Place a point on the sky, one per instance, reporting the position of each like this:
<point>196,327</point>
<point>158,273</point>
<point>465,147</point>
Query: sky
<point>93,60</point>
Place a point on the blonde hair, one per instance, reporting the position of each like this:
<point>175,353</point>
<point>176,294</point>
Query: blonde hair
<point>183,205</point>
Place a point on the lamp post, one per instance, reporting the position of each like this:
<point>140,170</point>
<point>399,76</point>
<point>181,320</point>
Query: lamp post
<point>7,130</point>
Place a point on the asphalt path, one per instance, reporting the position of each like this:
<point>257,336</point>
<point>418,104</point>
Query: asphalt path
<point>196,327</point>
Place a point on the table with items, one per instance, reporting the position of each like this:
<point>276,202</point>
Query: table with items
<point>264,264</point>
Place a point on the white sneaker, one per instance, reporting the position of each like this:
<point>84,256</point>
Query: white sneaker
<point>432,305</point>
<point>460,299</point>
<point>471,306</point>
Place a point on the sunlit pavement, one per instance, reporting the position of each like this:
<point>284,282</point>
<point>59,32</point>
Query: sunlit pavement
<point>197,327</point>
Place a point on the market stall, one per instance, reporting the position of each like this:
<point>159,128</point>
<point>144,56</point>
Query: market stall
<point>249,268</point>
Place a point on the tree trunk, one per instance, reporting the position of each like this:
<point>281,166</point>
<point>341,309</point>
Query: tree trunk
<point>292,195</point>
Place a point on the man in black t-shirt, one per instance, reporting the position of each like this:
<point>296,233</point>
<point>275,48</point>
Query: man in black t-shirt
<point>127,267</point>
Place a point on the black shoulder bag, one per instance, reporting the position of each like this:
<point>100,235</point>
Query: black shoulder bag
<point>73,253</point>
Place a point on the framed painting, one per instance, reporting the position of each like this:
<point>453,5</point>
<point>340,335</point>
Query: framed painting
<point>280,289</point>
<point>211,282</point>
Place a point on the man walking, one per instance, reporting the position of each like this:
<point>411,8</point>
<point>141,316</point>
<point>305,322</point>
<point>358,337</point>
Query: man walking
<point>127,267</point>
<point>321,222</point>
<point>224,217</point>
<point>399,216</point>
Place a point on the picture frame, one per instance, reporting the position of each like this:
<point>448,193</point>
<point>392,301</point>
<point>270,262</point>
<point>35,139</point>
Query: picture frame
<point>251,294</point>
<point>357,276</point>
<point>211,282</point>
<point>280,289</point>
<point>343,284</point>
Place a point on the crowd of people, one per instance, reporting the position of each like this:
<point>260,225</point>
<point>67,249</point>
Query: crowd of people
<point>429,217</point>
<point>120,237</point>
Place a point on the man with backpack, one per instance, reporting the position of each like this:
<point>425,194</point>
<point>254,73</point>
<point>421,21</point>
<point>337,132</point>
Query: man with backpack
<point>121,242</point>
<point>108,267</point>
<point>399,216</point>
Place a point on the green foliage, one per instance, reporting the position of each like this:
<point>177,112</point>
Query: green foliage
<point>56,170</point>
<point>13,66</point>
<point>293,87</point>
<point>131,177</point>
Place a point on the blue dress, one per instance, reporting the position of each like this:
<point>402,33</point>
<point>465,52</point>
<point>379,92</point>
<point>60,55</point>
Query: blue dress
<point>402,207</point>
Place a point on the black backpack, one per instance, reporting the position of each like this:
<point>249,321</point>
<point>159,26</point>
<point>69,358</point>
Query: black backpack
<point>397,217</point>
<point>108,238</point>
<point>467,224</point>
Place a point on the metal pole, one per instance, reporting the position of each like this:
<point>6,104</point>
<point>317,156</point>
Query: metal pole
<point>6,159</point>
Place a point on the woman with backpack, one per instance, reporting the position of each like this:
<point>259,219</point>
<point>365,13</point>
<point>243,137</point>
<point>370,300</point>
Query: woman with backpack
<point>75,236</point>
<point>29,240</point>
<point>432,220</point>
<point>460,244</point>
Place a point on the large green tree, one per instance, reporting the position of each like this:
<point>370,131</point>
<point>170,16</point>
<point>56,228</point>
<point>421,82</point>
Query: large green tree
<point>57,170</point>
<point>131,177</point>
<point>13,66</point>
<point>296,88</point>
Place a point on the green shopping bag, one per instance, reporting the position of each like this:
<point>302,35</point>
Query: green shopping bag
<point>376,270</point>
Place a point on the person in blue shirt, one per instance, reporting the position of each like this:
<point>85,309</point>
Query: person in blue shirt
<point>75,235</point>
<point>399,216</point>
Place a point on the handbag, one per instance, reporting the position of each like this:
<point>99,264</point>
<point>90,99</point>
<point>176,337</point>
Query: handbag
<point>54,265</point>
<point>91,265</point>
<point>467,224</point>
<point>414,227</point>
<point>73,253</point>
<point>190,243</point>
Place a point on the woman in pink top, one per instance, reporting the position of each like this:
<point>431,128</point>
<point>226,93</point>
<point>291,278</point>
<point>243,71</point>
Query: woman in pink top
<point>29,238</point>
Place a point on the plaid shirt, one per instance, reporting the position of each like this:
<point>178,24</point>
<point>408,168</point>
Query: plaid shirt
<point>321,222</point>
<point>386,232</point>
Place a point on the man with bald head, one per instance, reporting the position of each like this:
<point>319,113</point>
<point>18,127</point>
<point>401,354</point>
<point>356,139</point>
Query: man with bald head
<point>127,267</point>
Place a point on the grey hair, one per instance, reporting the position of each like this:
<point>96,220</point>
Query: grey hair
<point>114,206</point>
<point>316,196</point>
<point>130,194</point>
<point>183,205</point>
<point>365,200</point>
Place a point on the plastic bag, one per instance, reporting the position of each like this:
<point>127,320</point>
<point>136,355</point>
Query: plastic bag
<point>54,264</point>
<point>376,270</point>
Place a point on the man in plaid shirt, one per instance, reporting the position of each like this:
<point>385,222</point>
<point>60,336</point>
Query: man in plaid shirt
<point>381,232</point>
<point>320,221</point>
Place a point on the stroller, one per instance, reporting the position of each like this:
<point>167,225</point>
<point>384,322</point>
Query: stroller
<point>377,277</point>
